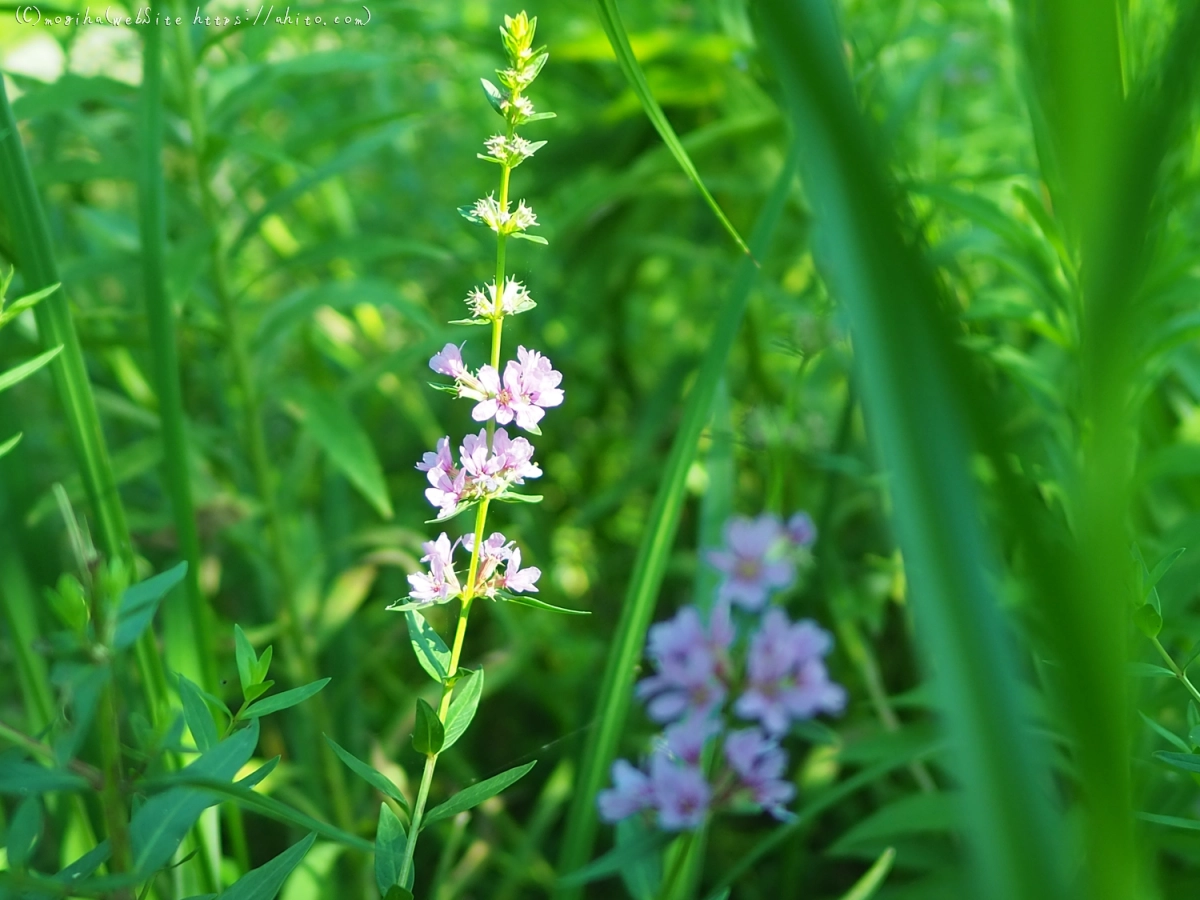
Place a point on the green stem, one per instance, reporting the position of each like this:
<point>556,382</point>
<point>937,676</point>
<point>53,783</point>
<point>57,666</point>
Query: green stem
<point>69,371</point>
<point>1179,673</point>
<point>678,864</point>
<point>469,589</point>
<point>295,640</point>
<point>188,631</point>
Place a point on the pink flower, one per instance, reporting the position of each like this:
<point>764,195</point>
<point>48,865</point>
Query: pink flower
<point>751,569</point>
<point>528,386</point>
<point>440,583</point>
<point>631,793</point>
<point>438,460</point>
<point>517,579</point>
<point>759,763</point>
<point>449,361</point>
<point>787,678</point>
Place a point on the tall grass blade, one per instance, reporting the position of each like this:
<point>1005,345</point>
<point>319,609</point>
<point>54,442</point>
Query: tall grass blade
<point>610,18</point>
<point>1109,139</point>
<point>187,629</point>
<point>915,387</point>
<point>31,241</point>
<point>638,607</point>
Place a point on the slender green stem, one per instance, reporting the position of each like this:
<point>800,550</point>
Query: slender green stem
<point>188,630</point>
<point>69,370</point>
<point>296,643</point>
<point>470,590</point>
<point>116,817</point>
<point>1179,673</point>
<point>678,865</point>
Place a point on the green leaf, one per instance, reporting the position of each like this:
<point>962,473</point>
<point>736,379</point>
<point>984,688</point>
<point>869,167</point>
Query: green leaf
<point>526,236</point>
<point>259,670</point>
<point>21,304</point>
<point>345,442</point>
<point>617,859</point>
<point>376,779</point>
<point>1148,670</point>
<point>265,882</point>
<point>262,805</point>
<point>287,699</point>
<point>390,843</point>
<point>10,443</point>
<point>610,18</point>
<point>247,659</point>
<point>23,371</point>
<point>463,706</point>
<point>428,733</point>
<point>1170,821</point>
<point>913,814</point>
<point>255,691</point>
<point>658,536</point>
<point>395,892</point>
<point>525,600</point>
<point>514,497</point>
<point>472,796</point>
<point>195,712</point>
<point>1166,735</point>
<point>642,875</point>
<point>23,832</point>
<point>161,823</point>
<point>494,97</point>
<point>140,602</point>
<point>874,877</point>
<point>1189,762</point>
<point>22,778</point>
<point>432,652</point>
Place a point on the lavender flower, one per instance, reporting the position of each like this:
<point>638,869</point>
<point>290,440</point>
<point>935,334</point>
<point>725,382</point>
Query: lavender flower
<point>787,679</point>
<point>681,793</point>
<point>759,763</point>
<point>530,384</point>
<point>690,662</point>
<point>631,793</point>
<point>698,686</point>
<point>486,471</point>
<point>751,565</point>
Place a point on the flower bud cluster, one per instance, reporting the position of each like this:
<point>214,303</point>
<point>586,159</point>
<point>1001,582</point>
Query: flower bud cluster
<point>729,689</point>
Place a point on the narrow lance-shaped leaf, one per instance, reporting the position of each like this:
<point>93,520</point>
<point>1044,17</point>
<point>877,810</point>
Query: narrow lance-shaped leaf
<point>374,778</point>
<point>610,18</point>
<point>265,882</point>
<point>285,700</point>
<point>472,796</point>
<point>428,732</point>
<point>390,843</point>
<point>463,706</point>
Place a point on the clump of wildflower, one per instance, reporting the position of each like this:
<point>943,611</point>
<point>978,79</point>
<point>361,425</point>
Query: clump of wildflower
<point>738,682</point>
<point>760,556</point>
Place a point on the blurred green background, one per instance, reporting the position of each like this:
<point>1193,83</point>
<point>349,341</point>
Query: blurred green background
<point>1009,238</point>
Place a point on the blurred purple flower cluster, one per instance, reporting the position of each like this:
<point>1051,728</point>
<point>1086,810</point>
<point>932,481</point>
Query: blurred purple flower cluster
<point>737,681</point>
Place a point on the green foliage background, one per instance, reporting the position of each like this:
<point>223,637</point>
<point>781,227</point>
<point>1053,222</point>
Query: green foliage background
<point>996,210</point>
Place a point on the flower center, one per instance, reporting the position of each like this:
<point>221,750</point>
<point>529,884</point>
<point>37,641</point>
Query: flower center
<point>748,569</point>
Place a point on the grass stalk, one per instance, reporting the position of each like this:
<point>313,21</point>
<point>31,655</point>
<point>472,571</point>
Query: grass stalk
<point>187,630</point>
<point>296,643</point>
<point>637,609</point>
<point>924,407</point>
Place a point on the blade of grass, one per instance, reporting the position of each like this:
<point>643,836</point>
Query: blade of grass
<point>18,196</point>
<point>31,239</point>
<point>650,566</point>
<point>610,18</point>
<point>1111,152</point>
<point>187,630</point>
<point>316,716</point>
<point>915,385</point>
